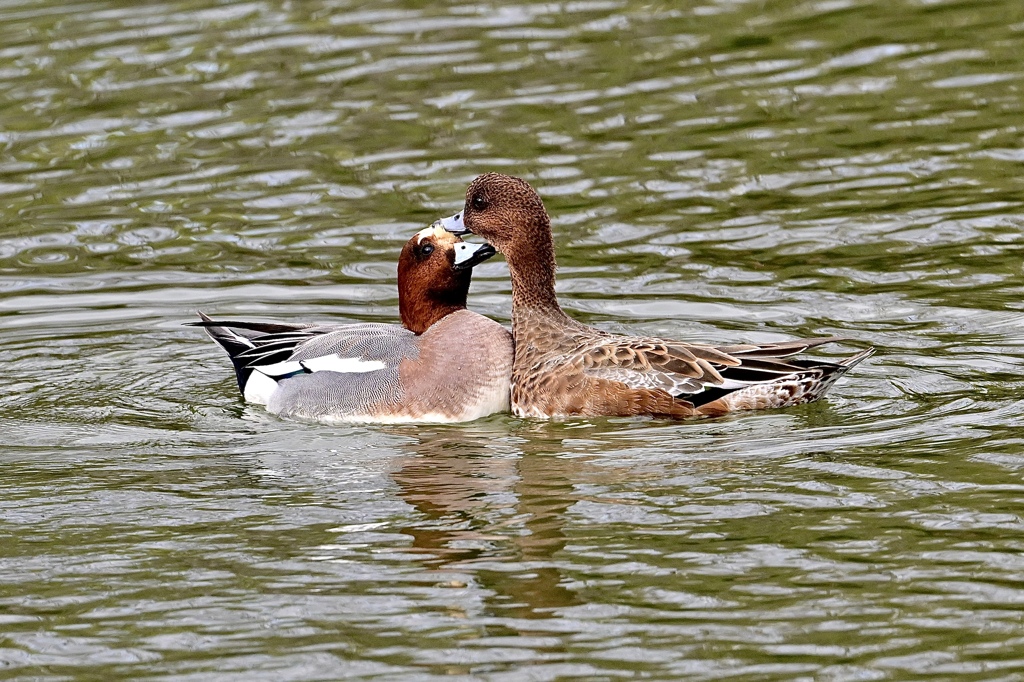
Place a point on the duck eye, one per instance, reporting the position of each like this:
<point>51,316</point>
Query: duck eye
<point>479,203</point>
<point>427,249</point>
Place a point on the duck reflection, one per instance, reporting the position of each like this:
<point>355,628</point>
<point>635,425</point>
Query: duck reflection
<point>491,494</point>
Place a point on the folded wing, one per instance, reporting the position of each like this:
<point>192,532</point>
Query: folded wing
<point>697,373</point>
<point>263,354</point>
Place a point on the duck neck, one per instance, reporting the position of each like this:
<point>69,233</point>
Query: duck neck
<point>532,270</point>
<point>420,310</point>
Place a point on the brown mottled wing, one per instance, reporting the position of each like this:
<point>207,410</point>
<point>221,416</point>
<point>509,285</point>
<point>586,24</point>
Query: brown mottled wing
<point>674,367</point>
<point>682,369</point>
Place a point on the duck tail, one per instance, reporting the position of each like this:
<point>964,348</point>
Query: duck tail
<point>832,372</point>
<point>811,381</point>
<point>232,342</point>
<point>855,360</point>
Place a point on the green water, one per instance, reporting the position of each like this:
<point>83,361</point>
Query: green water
<point>717,171</point>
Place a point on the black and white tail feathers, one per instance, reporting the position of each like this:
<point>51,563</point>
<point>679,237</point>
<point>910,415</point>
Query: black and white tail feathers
<point>251,345</point>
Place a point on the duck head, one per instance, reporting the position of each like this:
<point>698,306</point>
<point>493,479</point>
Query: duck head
<point>510,215</point>
<point>505,211</point>
<point>434,272</point>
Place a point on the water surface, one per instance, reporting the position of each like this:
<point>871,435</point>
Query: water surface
<point>716,171</point>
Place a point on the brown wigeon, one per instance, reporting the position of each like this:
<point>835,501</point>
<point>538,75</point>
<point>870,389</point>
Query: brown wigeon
<point>384,372</point>
<point>563,367</point>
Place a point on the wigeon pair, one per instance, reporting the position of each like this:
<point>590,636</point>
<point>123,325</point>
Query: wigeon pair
<point>443,364</point>
<point>563,367</point>
<point>447,364</point>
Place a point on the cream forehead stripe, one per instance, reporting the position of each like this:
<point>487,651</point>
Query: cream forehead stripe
<point>435,231</point>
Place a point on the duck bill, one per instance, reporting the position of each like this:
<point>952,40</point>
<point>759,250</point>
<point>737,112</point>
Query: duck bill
<point>467,255</point>
<point>453,224</point>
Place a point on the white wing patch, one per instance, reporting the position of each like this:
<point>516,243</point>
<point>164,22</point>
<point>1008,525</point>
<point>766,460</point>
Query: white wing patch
<point>325,363</point>
<point>336,363</point>
<point>263,381</point>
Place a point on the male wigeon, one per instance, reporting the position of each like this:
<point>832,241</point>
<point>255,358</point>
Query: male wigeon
<point>563,367</point>
<point>444,364</point>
